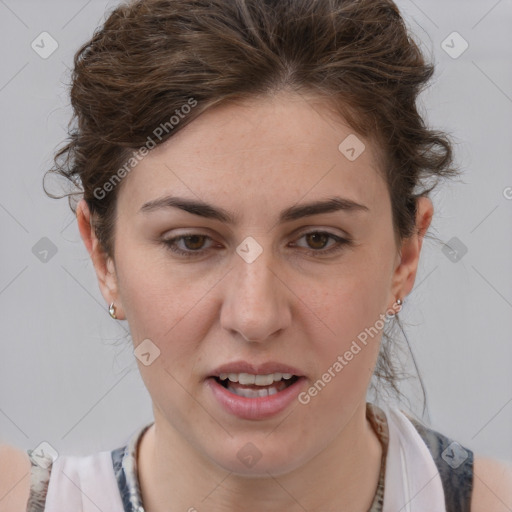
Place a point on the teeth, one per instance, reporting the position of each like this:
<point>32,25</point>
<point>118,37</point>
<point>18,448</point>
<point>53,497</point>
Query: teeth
<point>254,393</point>
<point>262,380</point>
<point>245,378</point>
<point>258,380</point>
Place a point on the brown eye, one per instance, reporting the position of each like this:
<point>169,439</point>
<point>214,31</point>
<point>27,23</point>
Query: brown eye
<point>317,240</point>
<point>193,242</point>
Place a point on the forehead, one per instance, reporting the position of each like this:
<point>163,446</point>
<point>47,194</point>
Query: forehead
<point>267,151</point>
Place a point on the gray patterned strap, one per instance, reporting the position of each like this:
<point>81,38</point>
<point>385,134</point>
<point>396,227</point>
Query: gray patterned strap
<point>455,465</point>
<point>40,470</point>
<point>124,461</point>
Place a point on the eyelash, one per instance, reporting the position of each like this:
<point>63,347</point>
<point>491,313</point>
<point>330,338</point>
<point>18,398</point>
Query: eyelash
<point>338,246</point>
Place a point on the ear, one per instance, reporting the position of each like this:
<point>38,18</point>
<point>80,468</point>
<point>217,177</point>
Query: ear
<point>405,272</point>
<point>103,264</point>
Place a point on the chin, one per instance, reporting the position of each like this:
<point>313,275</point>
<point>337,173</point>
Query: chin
<point>256,459</point>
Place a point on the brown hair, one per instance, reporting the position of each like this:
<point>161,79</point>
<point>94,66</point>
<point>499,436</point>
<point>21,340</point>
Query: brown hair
<point>152,56</point>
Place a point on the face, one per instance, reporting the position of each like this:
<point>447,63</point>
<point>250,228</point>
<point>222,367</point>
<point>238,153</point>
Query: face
<point>252,284</point>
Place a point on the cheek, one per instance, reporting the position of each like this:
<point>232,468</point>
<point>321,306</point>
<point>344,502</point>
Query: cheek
<point>171,307</point>
<point>349,301</point>
<point>346,356</point>
<point>348,309</point>
<point>155,295</point>
<point>352,342</point>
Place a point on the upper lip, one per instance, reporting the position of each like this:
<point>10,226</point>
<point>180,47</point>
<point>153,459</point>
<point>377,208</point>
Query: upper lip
<point>256,369</point>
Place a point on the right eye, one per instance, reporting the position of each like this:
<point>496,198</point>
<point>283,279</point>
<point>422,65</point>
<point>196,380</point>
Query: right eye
<point>193,243</point>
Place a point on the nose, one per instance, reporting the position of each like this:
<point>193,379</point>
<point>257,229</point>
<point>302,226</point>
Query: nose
<point>257,304</point>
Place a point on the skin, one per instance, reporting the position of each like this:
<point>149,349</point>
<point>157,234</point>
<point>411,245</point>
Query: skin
<point>254,159</point>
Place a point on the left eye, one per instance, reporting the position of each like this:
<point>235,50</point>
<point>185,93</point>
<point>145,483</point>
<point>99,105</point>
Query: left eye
<point>321,238</point>
<point>194,243</point>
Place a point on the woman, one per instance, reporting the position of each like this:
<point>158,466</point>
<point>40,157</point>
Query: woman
<point>254,177</point>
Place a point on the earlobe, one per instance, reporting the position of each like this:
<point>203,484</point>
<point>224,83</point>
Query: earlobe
<point>103,264</point>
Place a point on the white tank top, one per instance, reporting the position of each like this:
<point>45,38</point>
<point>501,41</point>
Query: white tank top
<point>412,480</point>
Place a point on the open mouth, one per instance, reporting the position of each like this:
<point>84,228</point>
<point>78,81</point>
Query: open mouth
<point>256,390</point>
<point>255,396</point>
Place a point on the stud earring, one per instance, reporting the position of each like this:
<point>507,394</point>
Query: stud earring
<point>112,311</point>
<point>399,303</point>
<point>389,315</point>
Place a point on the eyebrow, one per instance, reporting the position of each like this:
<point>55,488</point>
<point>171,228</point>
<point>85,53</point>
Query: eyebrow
<point>202,209</point>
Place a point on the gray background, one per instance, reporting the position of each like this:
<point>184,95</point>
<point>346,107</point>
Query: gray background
<point>67,373</point>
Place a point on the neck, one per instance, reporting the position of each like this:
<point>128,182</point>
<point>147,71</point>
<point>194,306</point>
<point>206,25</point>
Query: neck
<point>343,476</point>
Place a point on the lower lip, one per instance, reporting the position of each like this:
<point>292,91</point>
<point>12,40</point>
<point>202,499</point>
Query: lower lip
<point>258,408</point>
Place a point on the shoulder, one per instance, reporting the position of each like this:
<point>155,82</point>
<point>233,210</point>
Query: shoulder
<point>492,485</point>
<point>15,467</point>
